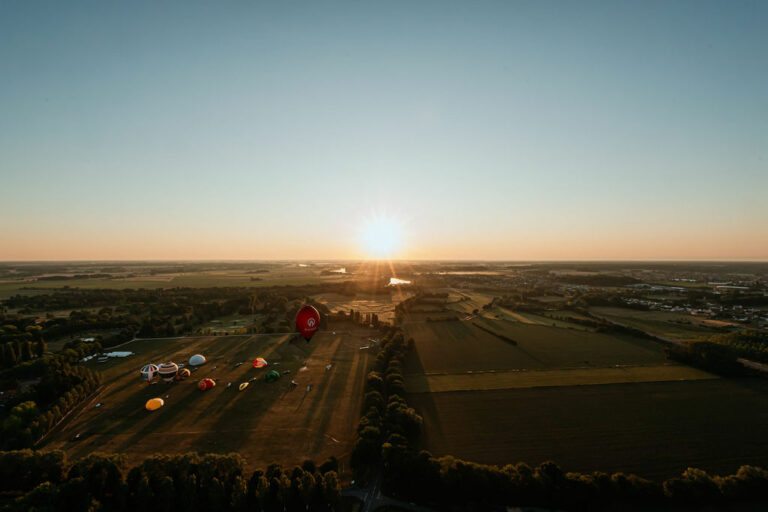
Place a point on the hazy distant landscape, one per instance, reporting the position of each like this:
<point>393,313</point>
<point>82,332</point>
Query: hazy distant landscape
<point>591,365</point>
<point>383,256</point>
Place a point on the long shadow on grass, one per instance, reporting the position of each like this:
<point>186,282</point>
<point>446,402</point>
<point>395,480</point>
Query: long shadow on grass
<point>164,416</point>
<point>242,410</point>
<point>426,399</point>
<point>326,385</point>
<point>334,392</point>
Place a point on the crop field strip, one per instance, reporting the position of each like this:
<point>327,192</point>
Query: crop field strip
<point>515,379</point>
<point>449,347</point>
<point>653,429</point>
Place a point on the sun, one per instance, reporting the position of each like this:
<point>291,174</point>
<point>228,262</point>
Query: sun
<point>381,236</point>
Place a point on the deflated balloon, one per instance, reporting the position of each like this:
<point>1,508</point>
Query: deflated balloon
<point>205,384</point>
<point>154,404</point>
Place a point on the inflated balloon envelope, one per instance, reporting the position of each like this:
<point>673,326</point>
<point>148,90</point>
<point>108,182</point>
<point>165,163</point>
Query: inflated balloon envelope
<point>307,321</point>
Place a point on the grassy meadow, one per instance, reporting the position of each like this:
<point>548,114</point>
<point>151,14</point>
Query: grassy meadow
<point>266,422</point>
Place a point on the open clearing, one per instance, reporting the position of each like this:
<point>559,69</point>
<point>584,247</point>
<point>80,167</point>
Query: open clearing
<point>267,422</point>
<point>511,379</point>
<point>382,305</point>
<point>655,430</point>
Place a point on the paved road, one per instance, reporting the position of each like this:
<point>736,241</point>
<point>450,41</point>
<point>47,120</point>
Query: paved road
<point>373,498</point>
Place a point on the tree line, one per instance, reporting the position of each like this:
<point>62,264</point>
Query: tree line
<point>388,442</point>
<point>387,422</point>
<point>46,481</point>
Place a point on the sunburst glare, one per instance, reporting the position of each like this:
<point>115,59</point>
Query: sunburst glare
<point>381,236</point>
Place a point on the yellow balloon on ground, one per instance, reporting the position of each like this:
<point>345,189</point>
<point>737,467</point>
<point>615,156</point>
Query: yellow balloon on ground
<point>154,404</point>
<point>243,386</point>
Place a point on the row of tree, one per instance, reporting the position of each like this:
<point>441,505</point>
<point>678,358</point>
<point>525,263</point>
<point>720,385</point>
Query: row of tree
<point>387,419</point>
<point>453,484</point>
<point>15,352</point>
<point>46,481</point>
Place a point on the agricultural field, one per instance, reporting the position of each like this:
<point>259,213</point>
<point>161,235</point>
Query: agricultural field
<point>275,275</point>
<point>515,379</point>
<point>382,305</point>
<point>460,346</point>
<point>588,401</point>
<point>266,422</point>
<point>653,429</point>
<point>676,326</point>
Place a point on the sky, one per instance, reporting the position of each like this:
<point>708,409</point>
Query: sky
<point>504,130</point>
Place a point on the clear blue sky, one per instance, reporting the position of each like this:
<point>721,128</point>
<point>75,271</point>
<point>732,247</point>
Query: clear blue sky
<point>503,130</point>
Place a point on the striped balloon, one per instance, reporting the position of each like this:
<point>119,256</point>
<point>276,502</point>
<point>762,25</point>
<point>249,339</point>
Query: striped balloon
<point>149,372</point>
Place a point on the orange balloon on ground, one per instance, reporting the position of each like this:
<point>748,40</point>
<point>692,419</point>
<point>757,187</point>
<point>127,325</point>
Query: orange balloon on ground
<point>260,362</point>
<point>154,404</point>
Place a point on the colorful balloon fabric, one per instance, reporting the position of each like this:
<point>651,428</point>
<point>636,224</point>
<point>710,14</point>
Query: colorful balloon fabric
<point>197,360</point>
<point>243,386</point>
<point>168,371</point>
<point>307,321</point>
<point>149,372</point>
<point>206,384</point>
<point>154,404</point>
<point>260,362</point>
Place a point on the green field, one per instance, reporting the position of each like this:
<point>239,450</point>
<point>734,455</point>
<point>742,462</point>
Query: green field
<point>280,276</point>
<point>660,323</point>
<point>655,430</point>
<point>460,346</point>
<point>266,422</point>
<point>589,401</point>
<point>514,379</point>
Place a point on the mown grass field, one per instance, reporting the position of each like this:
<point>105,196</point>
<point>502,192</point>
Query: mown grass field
<point>655,430</point>
<point>267,422</point>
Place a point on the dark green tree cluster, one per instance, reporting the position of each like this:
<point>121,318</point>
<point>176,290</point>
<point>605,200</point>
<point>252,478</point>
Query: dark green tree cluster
<point>59,385</point>
<point>387,423</point>
<point>452,484</point>
<point>750,344</point>
<point>713,357</point>
<point>21,339</point>
<point>146,313</point>
<point>191,482</point>
<point>360,318</point>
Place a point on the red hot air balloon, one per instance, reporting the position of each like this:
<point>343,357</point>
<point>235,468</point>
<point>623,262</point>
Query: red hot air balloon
<point>307,321</point>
